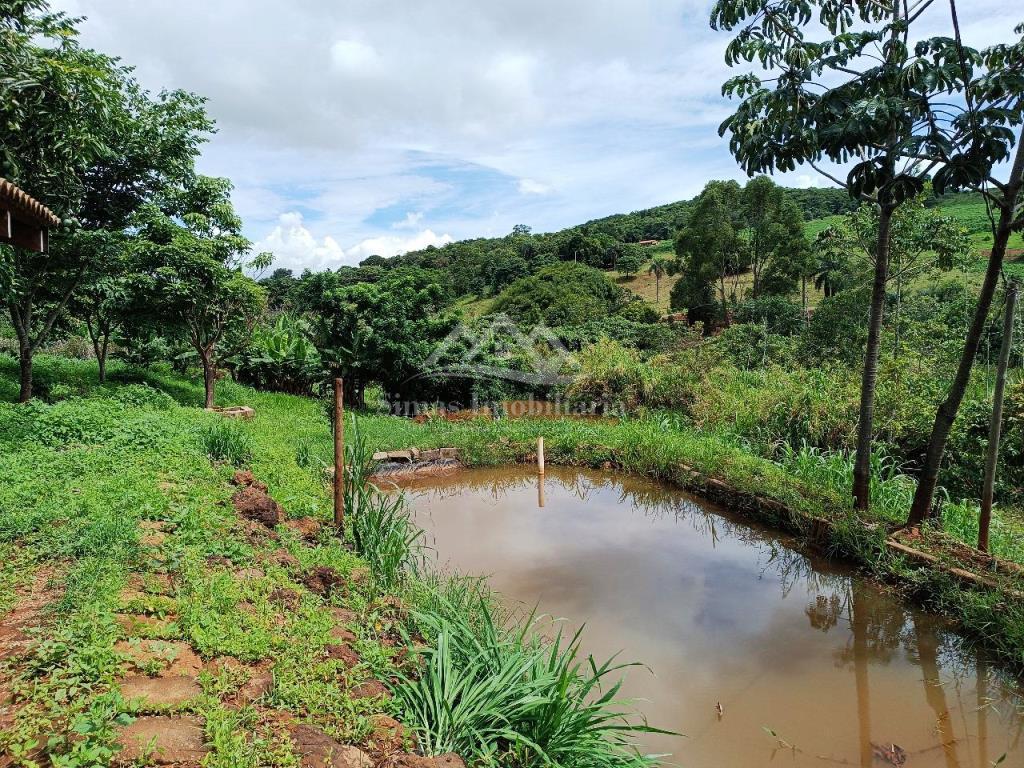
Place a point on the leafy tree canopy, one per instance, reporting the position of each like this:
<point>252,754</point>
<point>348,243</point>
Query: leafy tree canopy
<point>562,294</point>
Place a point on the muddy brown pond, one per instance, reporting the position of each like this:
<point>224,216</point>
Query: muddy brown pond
<point>722,611</point>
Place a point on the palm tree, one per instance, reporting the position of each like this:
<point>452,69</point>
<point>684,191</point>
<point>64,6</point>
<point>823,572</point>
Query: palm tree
<point>659,268</point>
<point>832,271</point>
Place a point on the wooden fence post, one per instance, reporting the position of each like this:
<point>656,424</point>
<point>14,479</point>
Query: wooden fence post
<point>339,456</point>
<point>540,455</point>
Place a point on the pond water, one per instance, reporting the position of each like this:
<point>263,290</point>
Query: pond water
<point>724,612</point>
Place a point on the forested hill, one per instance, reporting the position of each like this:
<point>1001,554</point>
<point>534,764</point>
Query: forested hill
<point>663,221</point>
<point>484,266</point>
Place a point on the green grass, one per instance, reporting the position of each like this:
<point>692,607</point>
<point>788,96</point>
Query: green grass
<point>80,477</point>
<point>82,473</point>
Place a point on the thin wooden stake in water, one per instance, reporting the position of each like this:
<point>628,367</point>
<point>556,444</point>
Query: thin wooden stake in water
<point>995,428</point>
<point>540,455</point>
<point>339,456</point>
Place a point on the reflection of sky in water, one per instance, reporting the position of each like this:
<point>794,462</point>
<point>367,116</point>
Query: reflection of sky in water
<point>722,611</point>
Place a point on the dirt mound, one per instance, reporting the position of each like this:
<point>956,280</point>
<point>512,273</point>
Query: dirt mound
<point>388,736</point>
<point>371,689</point>
<point>318,750</point>
<point>162,741</point>
<point>254,681</point>
<point>306,528</point>
<point>283,597</point>
<point>323,580</point>
<point>252,502</point>
<point>342,652</point>
<point>245,479</point>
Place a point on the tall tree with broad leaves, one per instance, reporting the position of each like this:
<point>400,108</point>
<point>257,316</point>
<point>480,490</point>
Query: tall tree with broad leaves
<point>80,135</point>
<point>383,332</point>
<point>985,133</point>
<point>777,244</point>
<point>860,99</point>
<point>190,279</point>
<point>710,250</point>
<point>58,101</point>
<point>103,299</point>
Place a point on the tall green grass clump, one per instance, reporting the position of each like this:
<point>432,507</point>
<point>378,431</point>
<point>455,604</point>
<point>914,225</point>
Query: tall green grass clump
<point>499,694</point>
<point>227,441</point>
<point>382,527</point>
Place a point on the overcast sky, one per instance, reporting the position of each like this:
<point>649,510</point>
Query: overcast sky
<point>353,127</point>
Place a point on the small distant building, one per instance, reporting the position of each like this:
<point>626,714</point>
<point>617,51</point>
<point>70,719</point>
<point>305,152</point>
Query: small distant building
<point>24,221</point>
<point>646,243</point>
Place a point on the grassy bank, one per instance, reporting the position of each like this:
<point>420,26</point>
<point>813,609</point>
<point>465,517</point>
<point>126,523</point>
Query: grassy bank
<point>88,476</point>
<point>793,492</point>
<point>125,566</point>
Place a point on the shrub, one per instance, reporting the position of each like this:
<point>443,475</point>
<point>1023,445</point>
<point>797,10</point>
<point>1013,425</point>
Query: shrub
<point>837,330</point>
<point>753,346</point>
<point>640,311</point>
<point>280,357</point>
<point>642,336</point>
<point>562,294</point>
<point>609,375</point>
<point>776,314</point>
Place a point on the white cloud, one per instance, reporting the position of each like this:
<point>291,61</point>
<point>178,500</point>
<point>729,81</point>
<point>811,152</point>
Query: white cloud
<point>807,181</point>
<point>477,115</point>
<point>411,221</point>
<point>354,57</point>
<point>295,247</point>
<point>531,187</point>
<point>390,245</point>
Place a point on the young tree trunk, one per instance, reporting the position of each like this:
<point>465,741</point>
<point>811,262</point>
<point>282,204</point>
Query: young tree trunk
<point>865,426</point>
<point>25,366</point>
<point>101,359</point>
<point>21,319</point>
<point>995,428</point>
<point>947,411</point>
<point>100,338</point>
<point>209,376</point>
<point>897,318</point>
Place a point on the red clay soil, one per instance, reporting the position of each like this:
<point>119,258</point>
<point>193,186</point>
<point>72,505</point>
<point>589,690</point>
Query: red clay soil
<point>318,750</point>
<point>157,674</point>
<point>306,528</point>
<point>168,659</point>
<point>450,760</point>
<point>178,741</point>
<point>323,580</point>
<point>156,693</point>
<point>29,605</point>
